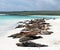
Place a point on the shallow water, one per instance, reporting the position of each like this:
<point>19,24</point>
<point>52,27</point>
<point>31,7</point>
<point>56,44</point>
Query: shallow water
<point>26,17</point>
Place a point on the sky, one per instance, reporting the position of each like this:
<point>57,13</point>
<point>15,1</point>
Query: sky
<point>29,5</point>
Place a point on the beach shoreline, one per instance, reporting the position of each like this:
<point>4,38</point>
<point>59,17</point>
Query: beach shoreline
<point>52,40</point>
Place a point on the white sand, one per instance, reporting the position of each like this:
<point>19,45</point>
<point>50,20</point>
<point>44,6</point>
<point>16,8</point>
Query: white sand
<point>53,40</point>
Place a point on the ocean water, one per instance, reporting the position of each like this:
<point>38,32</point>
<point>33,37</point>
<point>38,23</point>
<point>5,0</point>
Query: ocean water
<point>8,22</point>
<point>2,17</point>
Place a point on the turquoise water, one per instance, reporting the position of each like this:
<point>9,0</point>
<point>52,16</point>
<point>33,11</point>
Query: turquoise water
<point>26,17</point>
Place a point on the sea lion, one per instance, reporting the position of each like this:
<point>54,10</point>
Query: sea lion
<point>24,34</point>
<point>30,44</point>
<point>45,32</point>
<point>27,38</point>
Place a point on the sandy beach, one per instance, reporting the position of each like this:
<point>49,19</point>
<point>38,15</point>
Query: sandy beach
<point>53,40</point>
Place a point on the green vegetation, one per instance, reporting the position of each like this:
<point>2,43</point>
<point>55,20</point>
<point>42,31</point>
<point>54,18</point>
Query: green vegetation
<point>32,13</point>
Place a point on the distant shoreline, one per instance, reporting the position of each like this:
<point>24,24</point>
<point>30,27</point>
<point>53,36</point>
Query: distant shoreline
<point>25,13</point>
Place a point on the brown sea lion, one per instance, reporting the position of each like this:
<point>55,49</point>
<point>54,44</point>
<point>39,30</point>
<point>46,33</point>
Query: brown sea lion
<point>30,44</point>
<point>27,38</point>
<point>24,34</point>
